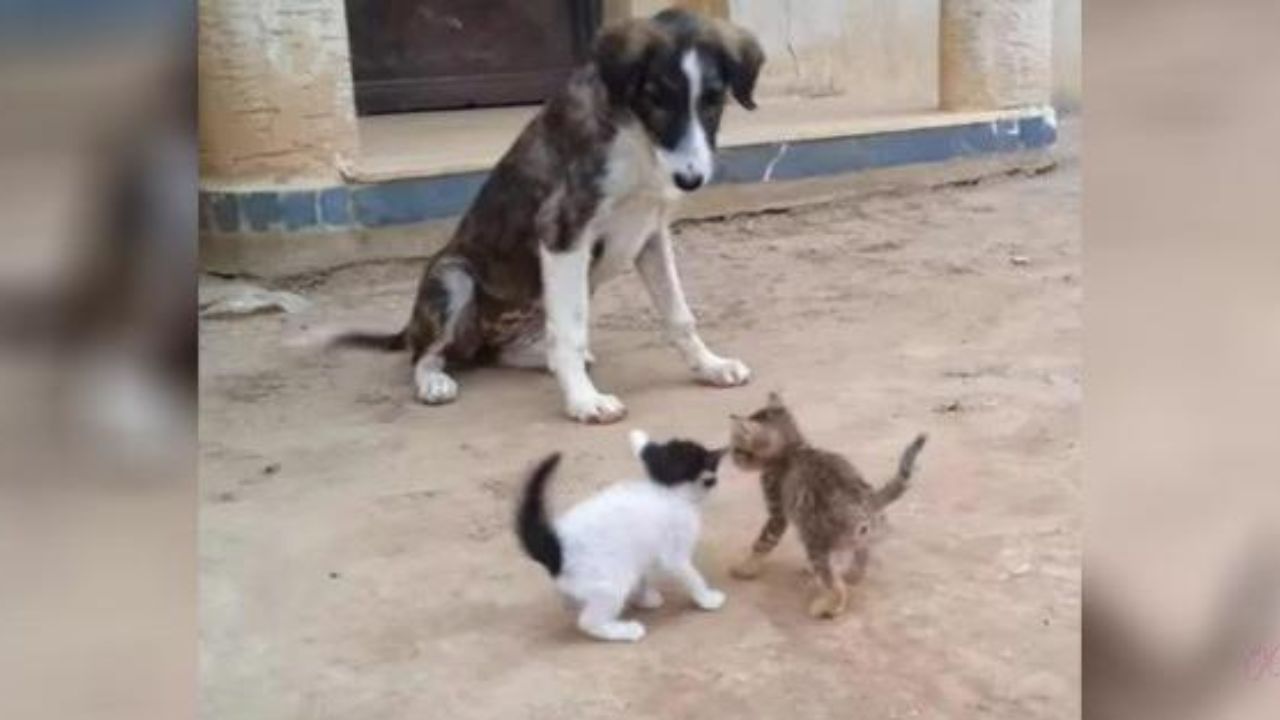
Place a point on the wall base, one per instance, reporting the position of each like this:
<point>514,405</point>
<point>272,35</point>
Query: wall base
<point>268,233</point>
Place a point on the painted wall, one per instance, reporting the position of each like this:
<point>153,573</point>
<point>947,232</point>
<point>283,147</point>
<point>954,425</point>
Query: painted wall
<point>1068,75</point>
<point>996,54</point>
<point>275,92</point>
<point>881,55</point>
<point>276,105</point>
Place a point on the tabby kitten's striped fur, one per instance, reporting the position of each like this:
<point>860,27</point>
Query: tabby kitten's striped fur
<point>821,493</point>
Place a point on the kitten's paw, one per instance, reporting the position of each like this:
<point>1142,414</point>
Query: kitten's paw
<point>616,631</point>
<point>649,599</point>
<point>435,387</point>
<point>722,372</point>
<point>748,569</point>
<point>628,631</point>
<point>710,599</point>
<point>826,606</point>
<point>597,409</point>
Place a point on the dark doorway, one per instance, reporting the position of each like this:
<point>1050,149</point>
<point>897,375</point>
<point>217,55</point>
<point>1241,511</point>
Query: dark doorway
<point>435,54</point>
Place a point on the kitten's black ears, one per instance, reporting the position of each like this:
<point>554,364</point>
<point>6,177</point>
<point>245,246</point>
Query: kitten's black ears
<point>660,464</point>
<point>676,461</point>
<point>715,456</point>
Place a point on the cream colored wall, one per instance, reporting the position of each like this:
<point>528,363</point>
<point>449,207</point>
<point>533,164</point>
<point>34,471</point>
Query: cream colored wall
<point>1068,76</point>
<point>996,54</point>
<point>276,105</point>
<point>881,55</point>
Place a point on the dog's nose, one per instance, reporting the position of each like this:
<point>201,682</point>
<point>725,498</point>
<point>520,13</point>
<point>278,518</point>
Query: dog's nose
<point>688,182</point>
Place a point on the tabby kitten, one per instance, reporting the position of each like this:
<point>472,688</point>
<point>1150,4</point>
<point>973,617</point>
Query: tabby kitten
<point>832,507</point>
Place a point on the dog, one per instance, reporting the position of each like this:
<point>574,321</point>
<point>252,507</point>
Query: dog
<point>587,191</point>
<point>606,551</point>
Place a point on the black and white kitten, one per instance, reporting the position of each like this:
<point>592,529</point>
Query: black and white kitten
<point>607,549</point>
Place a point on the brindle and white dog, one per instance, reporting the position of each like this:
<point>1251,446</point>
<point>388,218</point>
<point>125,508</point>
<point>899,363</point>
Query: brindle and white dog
<point>587,191</point>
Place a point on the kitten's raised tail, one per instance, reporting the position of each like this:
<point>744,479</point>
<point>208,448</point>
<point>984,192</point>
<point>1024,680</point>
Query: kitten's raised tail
<point>898,485</point>
<point>537,536</point>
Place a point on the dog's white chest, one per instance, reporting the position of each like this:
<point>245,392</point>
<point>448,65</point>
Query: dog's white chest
<point>638,201</point>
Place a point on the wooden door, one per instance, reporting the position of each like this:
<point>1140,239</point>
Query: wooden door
<point>433,54</point>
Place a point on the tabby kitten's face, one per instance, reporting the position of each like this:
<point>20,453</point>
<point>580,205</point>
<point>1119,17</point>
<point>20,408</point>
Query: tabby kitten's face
<point>762,436</point>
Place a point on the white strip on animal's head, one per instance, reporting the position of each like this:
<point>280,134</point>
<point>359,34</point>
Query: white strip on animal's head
<point>639,439</point>
<point>690,162</point>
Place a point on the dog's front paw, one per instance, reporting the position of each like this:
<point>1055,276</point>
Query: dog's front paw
<point>709,599</point>
<point>723,372</point>
<point>596,409</point>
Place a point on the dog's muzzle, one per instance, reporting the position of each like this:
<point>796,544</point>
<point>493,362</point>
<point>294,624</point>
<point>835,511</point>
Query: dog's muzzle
<point>688,182</point>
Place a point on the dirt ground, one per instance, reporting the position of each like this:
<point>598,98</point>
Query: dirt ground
<point>357,559</point>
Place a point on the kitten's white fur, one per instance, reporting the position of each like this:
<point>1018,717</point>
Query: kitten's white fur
<point>618,541</point>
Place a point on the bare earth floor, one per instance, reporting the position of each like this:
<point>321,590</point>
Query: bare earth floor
<point>356,553</point>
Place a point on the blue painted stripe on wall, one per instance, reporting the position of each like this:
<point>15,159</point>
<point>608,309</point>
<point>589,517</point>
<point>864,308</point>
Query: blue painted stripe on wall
<point>409,201</point>
<point>298,210</point>
<point>226,212</point>
<point>403,202</point>
<point>335,207</point>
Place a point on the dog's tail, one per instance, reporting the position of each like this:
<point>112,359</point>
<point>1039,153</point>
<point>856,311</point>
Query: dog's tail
<point>893,489</point>
<point>532,526</point>
<point>371,340</point>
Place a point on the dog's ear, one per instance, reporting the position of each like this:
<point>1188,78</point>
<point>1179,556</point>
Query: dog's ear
<point>621,53</point>
<point>740,59</point>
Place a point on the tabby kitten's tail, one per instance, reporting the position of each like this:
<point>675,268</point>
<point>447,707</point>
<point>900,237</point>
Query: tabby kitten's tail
<point>534,529</point>
<point>898,485</point>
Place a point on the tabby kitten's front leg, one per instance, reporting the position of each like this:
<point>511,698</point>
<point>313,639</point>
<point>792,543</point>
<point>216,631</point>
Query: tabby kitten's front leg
<point>858,566</point>
<point>770,534</point>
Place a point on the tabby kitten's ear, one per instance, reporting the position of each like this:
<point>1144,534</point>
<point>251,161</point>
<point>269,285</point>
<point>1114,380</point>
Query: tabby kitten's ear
<point>742,428</point>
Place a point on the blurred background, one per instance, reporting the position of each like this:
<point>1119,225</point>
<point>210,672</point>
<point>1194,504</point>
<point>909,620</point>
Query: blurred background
<point>1182,357</point>
<point>97,358</point>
